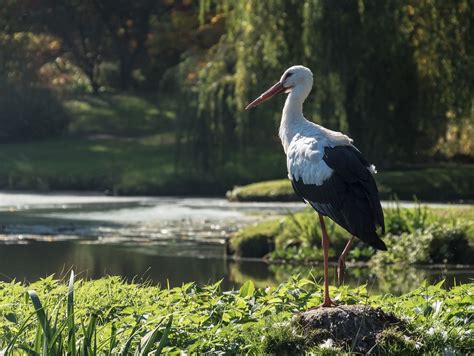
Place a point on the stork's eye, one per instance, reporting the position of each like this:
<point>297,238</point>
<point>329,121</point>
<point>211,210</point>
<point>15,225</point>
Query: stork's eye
<point>287,75</point>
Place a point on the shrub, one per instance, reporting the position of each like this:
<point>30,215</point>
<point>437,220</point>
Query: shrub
<point>400,220</point>
<point>29,113</point>
<point>451,245</point>
<point>437,244</point>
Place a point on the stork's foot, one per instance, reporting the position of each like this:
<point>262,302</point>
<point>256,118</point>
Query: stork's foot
<point>326,304</point>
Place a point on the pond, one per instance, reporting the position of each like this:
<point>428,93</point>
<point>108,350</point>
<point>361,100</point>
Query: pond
<point>166,240</point>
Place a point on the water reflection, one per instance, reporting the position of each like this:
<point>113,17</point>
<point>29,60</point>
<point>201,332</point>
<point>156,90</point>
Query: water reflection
<point>387,279</point>
<point>200,263</point>
<point>40,259</point>
<point>162,240</point>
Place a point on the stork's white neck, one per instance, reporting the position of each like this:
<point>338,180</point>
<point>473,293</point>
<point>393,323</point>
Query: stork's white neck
<point>292,116</point>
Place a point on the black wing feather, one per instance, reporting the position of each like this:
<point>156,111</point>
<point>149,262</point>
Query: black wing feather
<point>349,197</point>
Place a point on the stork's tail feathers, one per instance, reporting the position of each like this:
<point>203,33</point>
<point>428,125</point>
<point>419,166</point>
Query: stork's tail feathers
<point>378,244</point>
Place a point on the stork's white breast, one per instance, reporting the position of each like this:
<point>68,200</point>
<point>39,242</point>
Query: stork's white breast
<point>305,160</point>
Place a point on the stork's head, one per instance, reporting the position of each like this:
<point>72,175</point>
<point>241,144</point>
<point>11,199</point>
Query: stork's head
<point>297,78</point>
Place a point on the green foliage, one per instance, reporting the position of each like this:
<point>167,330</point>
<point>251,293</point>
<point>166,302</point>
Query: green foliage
<point>422,51</point>
<point>438,244</point>
<point>304,229</point>
<point>30,113</point>
<point>296,237</point>
<point>49,338</point>
<point>420,235</point>
<point>399,220</point>
<point>413,236</point>
<point>113,317</point>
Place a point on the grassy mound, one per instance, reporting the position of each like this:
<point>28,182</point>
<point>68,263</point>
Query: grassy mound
<point>108,316</point>
<point>273,190</point>
<point>350,326</point>
<point>443,182</point>
<point>419,236</point>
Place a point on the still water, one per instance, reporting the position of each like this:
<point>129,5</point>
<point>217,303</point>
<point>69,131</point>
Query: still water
<point>165,240</point>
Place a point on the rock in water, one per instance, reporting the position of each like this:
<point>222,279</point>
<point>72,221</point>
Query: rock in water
<point>354,326</point>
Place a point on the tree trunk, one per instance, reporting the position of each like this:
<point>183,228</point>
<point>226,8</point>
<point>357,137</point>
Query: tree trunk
<point>126,67</point>
<point>91,74</point>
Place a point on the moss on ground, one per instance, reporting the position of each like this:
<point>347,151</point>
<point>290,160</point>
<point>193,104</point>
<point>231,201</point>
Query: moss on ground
<point>273,190</point>
<point>438,183</point>
<point>255,240</point>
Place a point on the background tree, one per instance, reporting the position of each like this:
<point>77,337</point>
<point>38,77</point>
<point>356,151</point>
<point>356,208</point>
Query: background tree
<point>80,29</point>
<point>392,73</point>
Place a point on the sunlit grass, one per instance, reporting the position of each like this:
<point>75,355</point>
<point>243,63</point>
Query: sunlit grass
<point>152,164</point>
<point>417,235</point>
<point>85,165</point>
<point>438,183</point>
<point>140,166</point>
<point>109,316</point>
<point>120,114</point>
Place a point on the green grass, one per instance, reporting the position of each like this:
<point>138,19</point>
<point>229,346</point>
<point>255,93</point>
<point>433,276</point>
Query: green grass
<point>120,114</point>
<point>148,165</point>
<point>273,190</point>
<point>414,236</point>
<point>87,164</point>
<point>109,316</point>
<point>438,183</point>
<point>123,166</point>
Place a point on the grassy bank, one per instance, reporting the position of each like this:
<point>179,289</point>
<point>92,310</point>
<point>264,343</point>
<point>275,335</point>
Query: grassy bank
<point>413,236</point>
<point>108,316</point>
<point>149,165</point>
<point>442,182</point>
<point>141,165</point>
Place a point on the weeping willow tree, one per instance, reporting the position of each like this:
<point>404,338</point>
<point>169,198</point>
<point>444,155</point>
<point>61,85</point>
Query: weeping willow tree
<point>391,73</point>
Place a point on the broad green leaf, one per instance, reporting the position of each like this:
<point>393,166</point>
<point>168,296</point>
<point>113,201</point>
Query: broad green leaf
<point>247,289</point>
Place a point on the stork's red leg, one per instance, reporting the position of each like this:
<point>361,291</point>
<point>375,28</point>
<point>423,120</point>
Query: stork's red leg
<point>325,242</point>
<point>342,261</point>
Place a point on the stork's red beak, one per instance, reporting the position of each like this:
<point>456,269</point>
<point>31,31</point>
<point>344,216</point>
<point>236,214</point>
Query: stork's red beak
<point>274,90</point>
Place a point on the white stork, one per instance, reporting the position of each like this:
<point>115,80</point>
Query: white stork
<point>327,171</point>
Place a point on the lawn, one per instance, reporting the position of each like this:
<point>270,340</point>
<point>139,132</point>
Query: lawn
<point>109,316</point>
<point>441,182</point>
<point>81,164</point>
<point>120,114</point>
<point>139,166</point>
<point>150,165</point>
